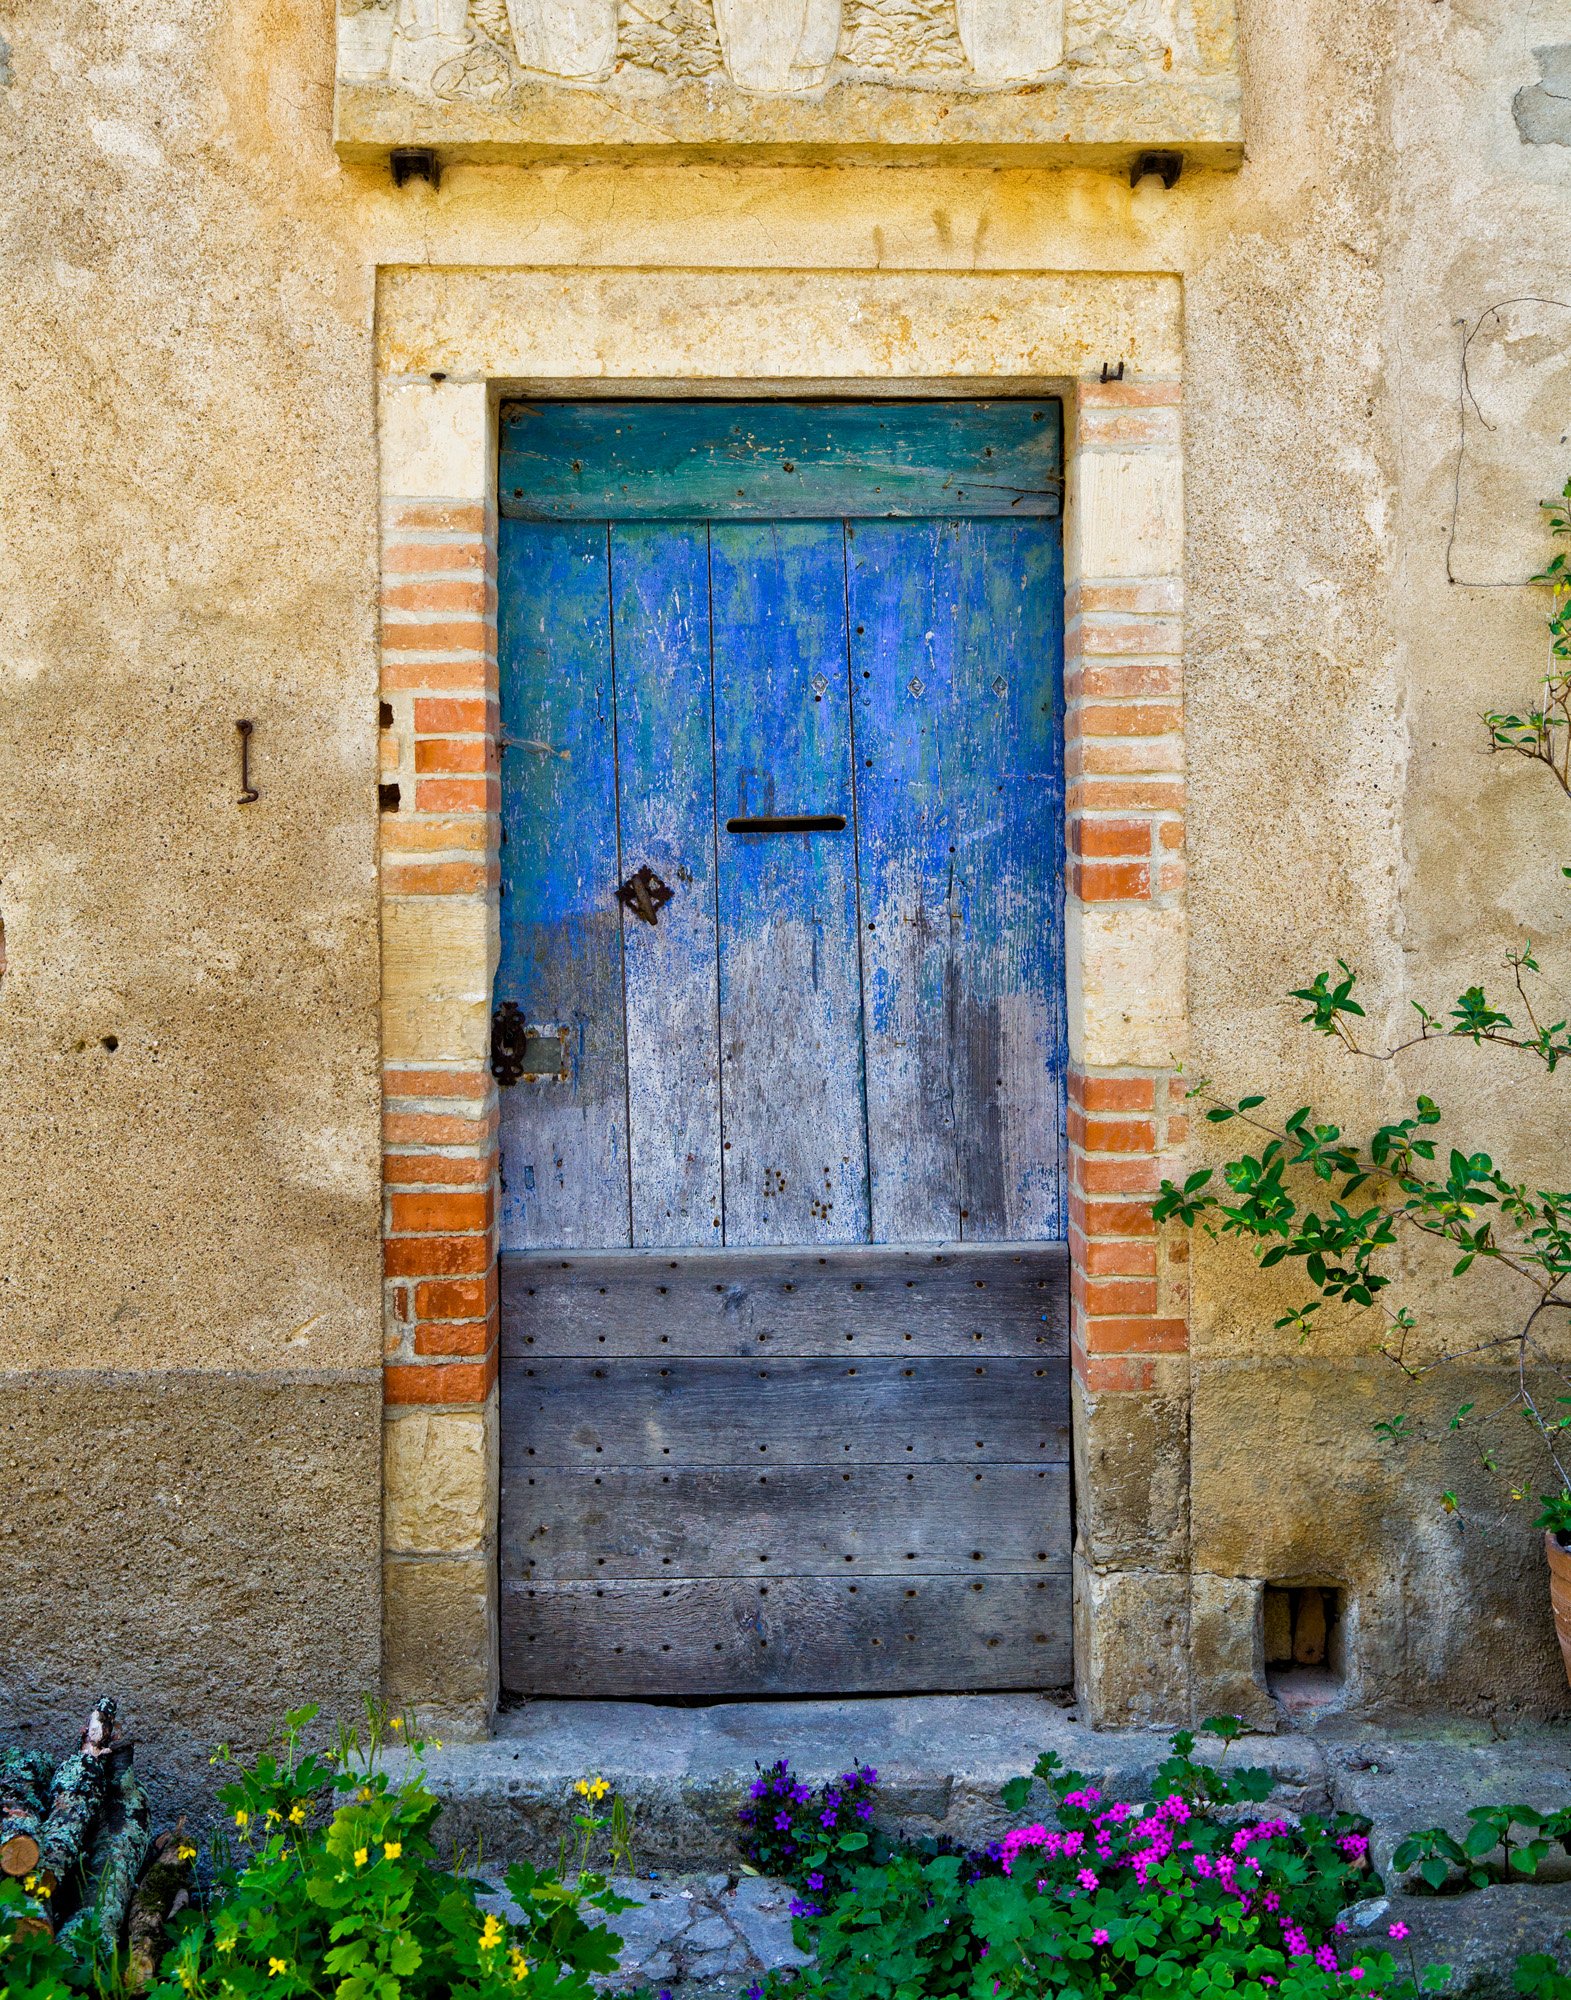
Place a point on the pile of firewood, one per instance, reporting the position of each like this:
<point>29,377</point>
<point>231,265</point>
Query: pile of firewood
<point>78,1837</point>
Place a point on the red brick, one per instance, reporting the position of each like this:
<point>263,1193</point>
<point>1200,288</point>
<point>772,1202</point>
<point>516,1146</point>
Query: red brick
<point>1112,1093</point>
<point>1111,881</point>
<point>441,635</point>
<point>441,1212</point>
<point>1124,636</point>
<point>448,593</point>
<point>1101,837</point>
<point>1150,393</point>
<point>1097,794</point>
<point>1133,1336</point>
<point>1170,878</point>
<point>1116,1218</point>
<point>436,1256</point>
<point>422,558</point>
<point>438,1169</point>
<point>1161,595</point>
<point>453,1336</point>
<point>440,1381</point>
<point>1177,1129</point>
<point>1115,1375</point>
<point>469,1081</point>
<point>1102,1296</point>
<point>444,716</point>
<point>474,674</point>
<point>1121,1259</point>
<point>440,878</point>
<point>1096,1175</point>
<point>1112,1135</point>
<point>1171,834</point>
<point>454,754</point>
<point>1143,718</point>
<point>1119,756</point>
<point>458,795</point>
<point>431,836</point>
<point>440,517</point>
<point>457,1298</point>
<point>1124,680</point>
<point>437,1128</point>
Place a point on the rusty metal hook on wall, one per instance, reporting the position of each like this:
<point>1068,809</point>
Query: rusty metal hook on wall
<point>248,792</point>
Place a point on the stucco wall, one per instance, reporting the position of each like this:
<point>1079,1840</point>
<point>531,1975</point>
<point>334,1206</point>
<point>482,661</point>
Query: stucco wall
<point>189,1258</point>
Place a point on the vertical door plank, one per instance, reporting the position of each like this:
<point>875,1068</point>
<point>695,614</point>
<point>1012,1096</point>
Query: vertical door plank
<point>790,989</point>
<point>955,641</point>
<point>564,1142</point>
<point>666,798</point>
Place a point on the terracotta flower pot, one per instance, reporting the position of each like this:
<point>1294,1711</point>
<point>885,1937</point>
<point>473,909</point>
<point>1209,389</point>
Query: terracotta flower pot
<point>1011,41</point>
<point>575,38</point>
<point>1559,1560</point>
<point>778,44</point>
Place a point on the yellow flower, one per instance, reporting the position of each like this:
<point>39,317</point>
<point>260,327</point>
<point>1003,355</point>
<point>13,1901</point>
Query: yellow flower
<point>226,1943</point>
<point>520,1965</point>
<point>592,1788</point>
<point>398,1722</point>
<point>297,1815</point>
<point>185,1851</point>
<point>392,1849</point>
<point>491,1933</point>
<point>363,1793</point>
<point>242,1819</point>
<point>273,1816</point>
<point>362,1856</point>
<point>276,1965</point>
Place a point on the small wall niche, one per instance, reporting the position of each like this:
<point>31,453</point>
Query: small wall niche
<point>1305,1644</point>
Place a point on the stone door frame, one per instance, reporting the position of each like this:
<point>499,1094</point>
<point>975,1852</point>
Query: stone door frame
<point>450,344</point>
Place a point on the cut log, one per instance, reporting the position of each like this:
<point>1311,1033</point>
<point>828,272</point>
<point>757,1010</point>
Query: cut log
<point>24,1802</point>
<point>161,1894</point>
<point>113,1865</point>
<point>76,1798</point>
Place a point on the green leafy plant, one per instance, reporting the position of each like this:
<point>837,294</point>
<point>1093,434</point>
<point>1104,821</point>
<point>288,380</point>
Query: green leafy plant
<point>1195,1892</point>
<point>1488,1852</point>
<point>327,1883</point>
<point>1342,1208</point>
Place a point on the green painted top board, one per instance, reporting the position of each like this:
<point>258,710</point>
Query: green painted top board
<point>781,461</point>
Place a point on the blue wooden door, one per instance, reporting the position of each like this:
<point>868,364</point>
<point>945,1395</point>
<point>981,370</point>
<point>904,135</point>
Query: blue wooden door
<point>781,1008</point>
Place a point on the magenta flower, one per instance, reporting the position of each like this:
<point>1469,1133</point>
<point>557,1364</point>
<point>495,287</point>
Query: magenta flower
<point>1099,1937</point>
<point>1087,1878</point>
<point>1325,1958</point>
<point>1398,1931</point>
<point>1355,1972</point>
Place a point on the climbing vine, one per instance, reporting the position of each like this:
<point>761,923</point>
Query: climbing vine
<point>1337,1207</point>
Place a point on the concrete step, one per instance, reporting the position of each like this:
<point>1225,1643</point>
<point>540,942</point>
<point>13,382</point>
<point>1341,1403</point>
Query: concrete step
<point>683,1772</point>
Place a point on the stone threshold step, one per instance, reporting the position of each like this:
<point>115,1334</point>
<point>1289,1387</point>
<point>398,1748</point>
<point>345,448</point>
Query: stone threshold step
<point>684,1771</point>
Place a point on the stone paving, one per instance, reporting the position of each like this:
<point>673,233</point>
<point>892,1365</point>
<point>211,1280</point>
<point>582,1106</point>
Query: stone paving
<point>697,1936</point>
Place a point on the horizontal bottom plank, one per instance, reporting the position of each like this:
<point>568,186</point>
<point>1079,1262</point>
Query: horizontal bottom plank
<point>566,1523</point>
<point>792,1635</point>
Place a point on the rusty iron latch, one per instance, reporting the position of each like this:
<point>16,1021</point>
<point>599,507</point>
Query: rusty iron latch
<point>524,1053</point>
<point>644,894</point>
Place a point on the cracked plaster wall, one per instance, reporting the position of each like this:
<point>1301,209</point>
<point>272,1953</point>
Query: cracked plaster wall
<point>187,493</point>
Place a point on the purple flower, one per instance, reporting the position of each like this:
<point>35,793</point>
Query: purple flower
<point>758,1788</point>
<point>829,1819</point>
<point>865,1809</point>
<point>869,1775</point>
<point>816,1879</point>
<point>783,1822</point>
<point>754,1992</point>
<point>801,1909</point>
<point>800,1794</point>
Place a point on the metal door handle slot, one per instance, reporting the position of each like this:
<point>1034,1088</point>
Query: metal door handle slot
<point>797,823</point>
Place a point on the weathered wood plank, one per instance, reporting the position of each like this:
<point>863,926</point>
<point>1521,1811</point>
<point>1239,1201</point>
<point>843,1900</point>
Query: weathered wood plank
<point>561,1523</point>
<point>564,1143</point>
<point>780,461</point>
<point>955,647</point>
<point>965,1299</point>
<point>792,1635</point>
<point>794,1128</point>
<point>919,1411</point>
<point>666,801</point>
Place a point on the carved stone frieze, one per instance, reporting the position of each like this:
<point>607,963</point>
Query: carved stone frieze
<point>783,78</point>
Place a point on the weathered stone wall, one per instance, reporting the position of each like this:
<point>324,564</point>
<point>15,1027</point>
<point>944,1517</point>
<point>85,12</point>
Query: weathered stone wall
<point>190,1306</point>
